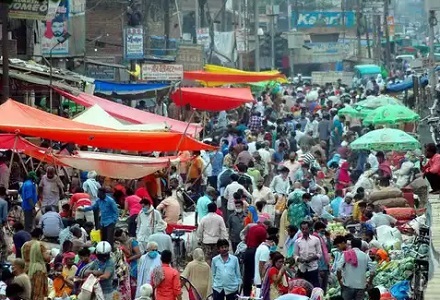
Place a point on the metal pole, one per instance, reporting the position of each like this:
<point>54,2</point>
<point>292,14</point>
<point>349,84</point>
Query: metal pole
<point>272,35</point>
<point>432,82</point>
<point>240,27</point>
<point>257,37</point>
<point>289,15</point>
<point>5,51</point>
<point>197,16</point>
<point>359,45</point>
<point>386,12</point>
<point>50,82</point>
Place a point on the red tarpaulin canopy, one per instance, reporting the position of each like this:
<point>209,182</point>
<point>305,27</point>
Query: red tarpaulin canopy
<point>212,99</point>
<point>25,120</point>
<point>18,143</point>
<point>229,78</point>
<point>129,114</point>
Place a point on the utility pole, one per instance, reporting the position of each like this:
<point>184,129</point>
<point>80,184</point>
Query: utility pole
<point>386,28</point>
<point>241,27</point>
<point>5,50</point>
<point>272,35</point>
<point>358,19</point>
<point>289,15</point>
<point>432,23</point>
<point>166,8</point>
<point>197,19</point>
<point>257,37</point>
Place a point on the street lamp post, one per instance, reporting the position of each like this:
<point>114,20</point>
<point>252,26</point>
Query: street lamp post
<point>61,40</point>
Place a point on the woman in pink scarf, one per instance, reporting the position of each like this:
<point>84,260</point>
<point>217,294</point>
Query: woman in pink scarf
<point>343,179</point>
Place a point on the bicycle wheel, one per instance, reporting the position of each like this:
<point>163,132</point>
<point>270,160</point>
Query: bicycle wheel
<point>418,290</point>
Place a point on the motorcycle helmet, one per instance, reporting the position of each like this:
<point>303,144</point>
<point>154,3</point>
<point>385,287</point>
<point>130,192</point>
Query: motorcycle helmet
<point>103,248</point>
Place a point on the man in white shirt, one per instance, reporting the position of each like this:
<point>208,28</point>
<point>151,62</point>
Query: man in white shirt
<point>265,157</point>
<point>307,252</point>
<point>229,191</point>
<point>280,184</point>
<point>380,219</point>
<point>211,228</point>
<point>262,256</point>
<point>319,201</point>
<point>263,193</point>
<point>352,274</point>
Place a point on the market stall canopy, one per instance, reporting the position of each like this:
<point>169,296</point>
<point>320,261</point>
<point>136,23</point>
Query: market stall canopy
<point>25,120</point>
<point>20,144</point>
<point>109,88</point>
<point>386,139</point>
<point>130,114</point>
<point>390,114</point>
<point>212,99</point>
<point>350,111</point>
<point>95,115</point>
<point>224,70</point>
<point>217,79</point>
<point>117,165</point>
<point>373,102</point>
<point>105,164</point>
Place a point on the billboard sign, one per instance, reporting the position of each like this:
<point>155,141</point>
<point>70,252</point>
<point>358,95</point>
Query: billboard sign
<point>134,43</point>
<point>324,19</point>
<point>54,29</point>
<point>29,9</point>
<point>101,72</point>
<point>162,72</point>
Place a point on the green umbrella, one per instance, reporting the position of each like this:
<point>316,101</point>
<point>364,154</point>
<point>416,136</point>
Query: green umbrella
<point>373,102</point>
<point>358,112</point>
<point>386,139</point>
<point>391,114</point>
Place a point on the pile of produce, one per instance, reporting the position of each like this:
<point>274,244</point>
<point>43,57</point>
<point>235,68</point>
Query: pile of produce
<point>336,229</point>
<point>389,273</point>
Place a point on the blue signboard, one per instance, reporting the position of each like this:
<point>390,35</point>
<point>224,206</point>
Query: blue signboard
<point>324,19</point>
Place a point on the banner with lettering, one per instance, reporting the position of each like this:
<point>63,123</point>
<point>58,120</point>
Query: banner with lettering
<point>55,29</point>
<point>29,9</point>
<point>134,43</point>
<point>324,19</point>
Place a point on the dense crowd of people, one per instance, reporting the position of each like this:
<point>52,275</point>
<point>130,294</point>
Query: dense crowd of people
<point>263,201</point>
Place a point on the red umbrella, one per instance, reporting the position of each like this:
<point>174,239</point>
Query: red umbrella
<point>212,99</point>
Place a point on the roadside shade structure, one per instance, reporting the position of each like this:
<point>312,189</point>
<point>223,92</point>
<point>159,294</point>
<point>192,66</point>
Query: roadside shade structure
<point>211,79</point>
<point>105,164</point>
<point>95,115</point>
<point>129,114</point>
<point>224,70</point>
<point>212,99</point>
<point>117,165</point>
<point>110,88</point>
<point>25,120</point>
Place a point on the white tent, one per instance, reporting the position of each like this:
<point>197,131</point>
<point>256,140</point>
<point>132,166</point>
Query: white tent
<point>95,115</point>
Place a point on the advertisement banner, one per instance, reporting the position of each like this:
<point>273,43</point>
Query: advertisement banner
<point>327,19</point>
<point>203,37</point>
<point>54,30</point>
<point>134,43</point>
<point>101,72</point>
<point>29,9</point>
<point>162,72</point>
<point>390,22</point>
<point>241,40</point>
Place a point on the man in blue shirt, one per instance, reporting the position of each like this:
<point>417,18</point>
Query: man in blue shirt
<point>109,215</point>
<point>202,202</point>
<point>29,195</point>
<point>226,276</point>
<point>216,158</point>
<point>51,223</point>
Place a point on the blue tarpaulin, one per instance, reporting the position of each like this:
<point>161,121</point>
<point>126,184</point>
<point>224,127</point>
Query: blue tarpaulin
<point>405,85</point>
<point>105,87</point>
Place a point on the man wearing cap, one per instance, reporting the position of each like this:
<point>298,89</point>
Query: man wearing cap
<point>29,195</point>
<point>346,207</point>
